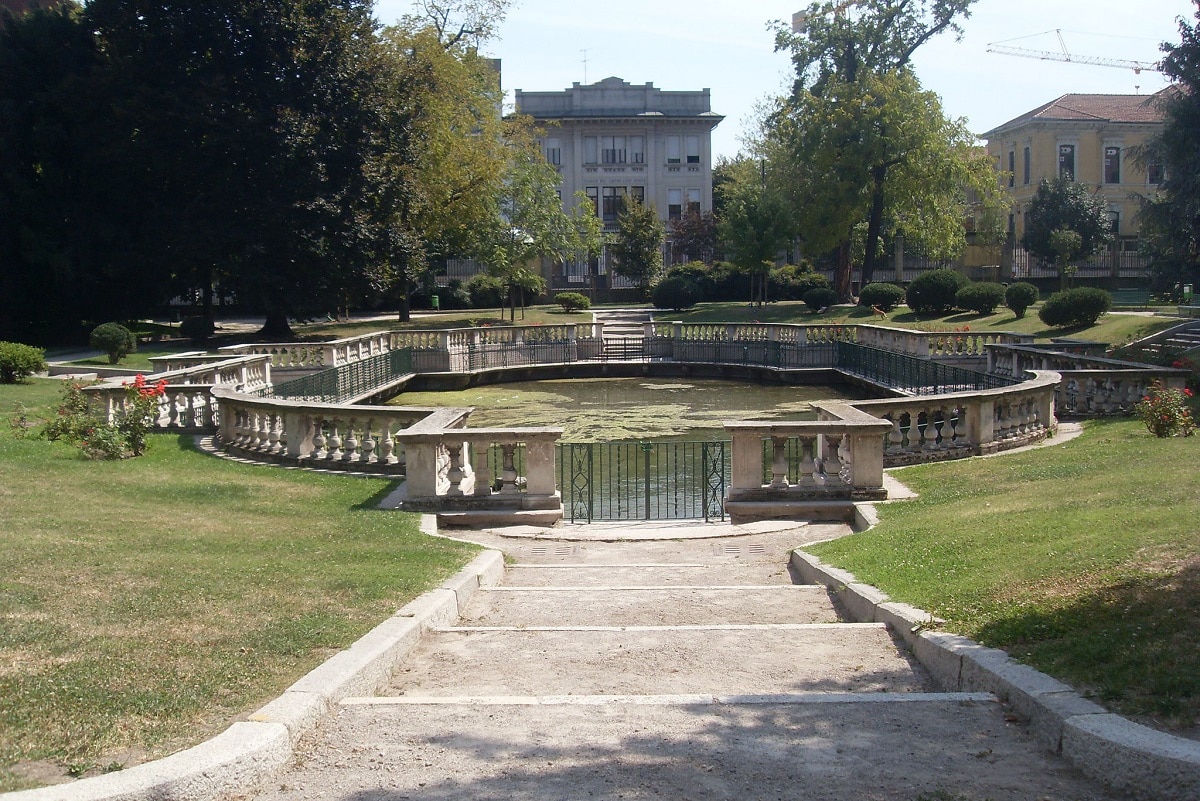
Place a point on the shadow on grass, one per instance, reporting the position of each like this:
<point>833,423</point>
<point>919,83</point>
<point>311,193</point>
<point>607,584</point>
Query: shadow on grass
<point>1131,642</point>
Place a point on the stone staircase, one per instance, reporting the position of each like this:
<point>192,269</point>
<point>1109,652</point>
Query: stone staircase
<point>685,669</point>
<point>623,323</point>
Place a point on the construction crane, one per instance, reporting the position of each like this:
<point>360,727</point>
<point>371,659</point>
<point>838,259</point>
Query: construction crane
<point>1066,55</point>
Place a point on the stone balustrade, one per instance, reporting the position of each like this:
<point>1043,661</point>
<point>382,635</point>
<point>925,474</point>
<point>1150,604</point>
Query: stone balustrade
<point>937,345</point>
<point>316,355</point>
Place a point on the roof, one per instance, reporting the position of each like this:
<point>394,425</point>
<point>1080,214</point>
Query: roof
<point>1091,108</point>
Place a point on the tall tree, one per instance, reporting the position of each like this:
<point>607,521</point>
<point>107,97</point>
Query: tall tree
<point>756,222</point>
<point>636,247</point>
<point>1170,217</point>
<point>1058,209</point>
<point>695,236</point>
<point>839,55</point>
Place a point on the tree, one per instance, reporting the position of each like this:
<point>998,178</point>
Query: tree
<point>1170,217</point>
<point>1064,222</point>
<point>636,247</point>
<point>840,56</point>
<point>694,236</point>
<point>756,222</point>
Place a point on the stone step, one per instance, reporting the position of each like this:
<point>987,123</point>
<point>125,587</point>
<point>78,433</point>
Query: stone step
<point>658,660</point>
<point>872,747</point>
<point>617,605</point>
<point>697,574</point>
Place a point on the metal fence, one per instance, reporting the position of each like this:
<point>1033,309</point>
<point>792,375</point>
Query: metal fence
<point>913,374</point>
<point>347,382</point>
<point>643,480</point>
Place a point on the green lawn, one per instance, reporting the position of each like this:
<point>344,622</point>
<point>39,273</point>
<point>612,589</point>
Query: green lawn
<point>145,604</point>
<point>1081,559</point>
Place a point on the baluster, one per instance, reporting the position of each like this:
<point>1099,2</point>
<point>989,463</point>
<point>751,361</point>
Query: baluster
<point>274,426</point>
<point>262,431</point>
<point>845,455</point>
<point>387,446</point>
<point>894,439</point>
<point>319,453</point>
<point>508,474</point>
<point>831,463</point>
<point>368,443</point>
<point>335,442</point>
<point>350,445</point>
<point>808,465</point>
<point>454,471</point>
<point>952,421</point>
<point>482,468</point>
<point>172,403</point>
<point>779,466</point>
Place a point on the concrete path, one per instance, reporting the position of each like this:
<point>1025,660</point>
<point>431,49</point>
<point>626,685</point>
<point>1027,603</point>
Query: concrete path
<point>667,668</point>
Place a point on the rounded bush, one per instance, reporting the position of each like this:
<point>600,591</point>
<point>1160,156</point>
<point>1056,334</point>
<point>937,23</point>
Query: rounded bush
<point>486,291</point>
<point>820,298</point>
<point>792,282</point>
<point>1020,296</point>
<point>18,362</point>
<point>114,339</point>
<point>1075,307</point>
<point>982,297</point>
<point>572,301</point>
<point>675,294</point>
<point>197,329</point>
<point>885,296</point>
<point>933,292</point>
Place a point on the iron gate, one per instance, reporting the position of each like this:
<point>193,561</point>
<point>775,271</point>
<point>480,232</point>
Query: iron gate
<point>643,480</point>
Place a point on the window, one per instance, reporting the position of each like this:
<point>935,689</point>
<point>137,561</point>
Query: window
<point>593,193</point>
<point>674,204</point>
<point>1112,165</point>
<point>673,150</point>
<point>1154,173</point>
<point>1028,168</point>
<point>693,149</point>
<point>613,200</point>
<point>612,149</point>
<point>1012,167</point>
<point>553,151</point>
<point>638,193</point>
<point>591,150</point>
<point>1114,222</point>
<point>637,150</point>
<point>1066,161</point>
<point>693,201</point>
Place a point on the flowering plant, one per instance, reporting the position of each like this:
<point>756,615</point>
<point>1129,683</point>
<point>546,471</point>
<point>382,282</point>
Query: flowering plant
<point>100,439</point>
<point>1165,412</point>
<point>141,412</point>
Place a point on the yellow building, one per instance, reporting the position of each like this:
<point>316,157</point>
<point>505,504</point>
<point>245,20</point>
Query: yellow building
<point>1091,139</point>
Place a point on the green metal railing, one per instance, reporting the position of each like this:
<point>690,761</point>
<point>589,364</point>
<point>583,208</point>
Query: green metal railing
<point>349,381</point>
<point>643,480</point>
<point>912,373</point>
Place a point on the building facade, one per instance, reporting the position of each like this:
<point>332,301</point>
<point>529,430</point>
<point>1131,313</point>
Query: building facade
<point>1091,139</point>
<point>613,140</point>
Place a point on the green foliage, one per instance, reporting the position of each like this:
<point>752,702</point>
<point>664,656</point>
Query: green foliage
<point>486,291</point>
<point>1065,221</point>
<point>885,296</point>
<point>793,282</point>
<point>1165,412</point>
<point>675,294</point>
<point>113,339</point>
<point>572,301</point>
<point>1020,296</point>
<point>18,362</point>
<point>76,424</point>
<point>197,329</point>
<point>981,297</point>
<point>1072,307</point>
<point>933,292</point>
<point>695,236</point>
<point>820,298</point>
<point>637,245</point>
<point>707,277</point>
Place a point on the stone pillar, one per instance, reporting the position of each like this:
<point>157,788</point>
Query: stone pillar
<point>745,460</point>
<point>866,461</point>
<point>539,466</point>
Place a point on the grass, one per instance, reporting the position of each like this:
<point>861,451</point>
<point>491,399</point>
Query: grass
<point>146,604</point>
<point>1114,328</point>
<point>1082,560</point>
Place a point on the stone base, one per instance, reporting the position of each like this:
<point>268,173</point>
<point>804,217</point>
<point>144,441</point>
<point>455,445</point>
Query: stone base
<point>496,518</point>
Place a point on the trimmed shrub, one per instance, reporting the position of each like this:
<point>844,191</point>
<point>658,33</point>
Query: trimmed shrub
<point>933,292</point>
<point>1079,306</point>
<point>572,301</point>
<point>197,329</point>
<point>18,362</point>
<point>793,282</point>
<point>885,296</point>
<point>820,298</point>
<point>982,297</point>
<point>114,339</point>
<point>675,294</point>
<point>486,291</point>
<point>1020,296</point>
<point>699,274</point>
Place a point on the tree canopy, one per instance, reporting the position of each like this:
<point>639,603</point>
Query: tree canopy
<point>1065,221</point>
<point>636,247</point>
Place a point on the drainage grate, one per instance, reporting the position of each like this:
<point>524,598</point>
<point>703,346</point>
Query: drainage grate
<point>546,550</point>
<point>749,549</point>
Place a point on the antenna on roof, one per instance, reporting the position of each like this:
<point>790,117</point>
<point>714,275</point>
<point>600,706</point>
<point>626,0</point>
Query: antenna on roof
<point>585,63</point>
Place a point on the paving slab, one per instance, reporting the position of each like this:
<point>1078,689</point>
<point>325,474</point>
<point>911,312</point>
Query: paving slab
<point>616,605</point>
<point>872,751</point>
<point>659,660</point>
<point>707,570</point>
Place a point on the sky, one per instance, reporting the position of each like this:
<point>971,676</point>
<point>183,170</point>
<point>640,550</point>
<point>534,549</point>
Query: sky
<point>727,46</point>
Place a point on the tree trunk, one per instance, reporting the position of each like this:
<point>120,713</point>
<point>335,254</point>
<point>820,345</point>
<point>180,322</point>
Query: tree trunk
<point>405,309</point>
<point>276,327</point>
<point>874,226</point>
<point>842,273</point>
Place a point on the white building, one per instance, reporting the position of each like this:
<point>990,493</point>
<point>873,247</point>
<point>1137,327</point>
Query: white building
<point>613,140</point>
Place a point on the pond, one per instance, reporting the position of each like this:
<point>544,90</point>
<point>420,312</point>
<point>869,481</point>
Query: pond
<point>612,409</point>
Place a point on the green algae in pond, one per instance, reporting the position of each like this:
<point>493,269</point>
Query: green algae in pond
<point>612,409</point>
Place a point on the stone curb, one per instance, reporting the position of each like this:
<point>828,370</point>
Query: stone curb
<point>1124,756</point>
<point>247,753</point>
